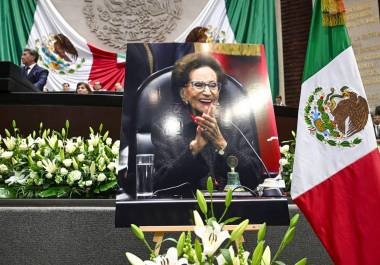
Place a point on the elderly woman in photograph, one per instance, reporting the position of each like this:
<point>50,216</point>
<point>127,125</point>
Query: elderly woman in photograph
<point>191,142</point>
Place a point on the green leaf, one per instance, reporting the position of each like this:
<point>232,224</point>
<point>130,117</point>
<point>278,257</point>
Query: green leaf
<point>202,202</point>
<point>302,262</point>
<point>331,142</point>
<point>310,99</point>
<point>239,230</point>
<point>279,262</point>
<point>294,220</point>
<point>357,141</point>
<point>227,256</point>
<point>320,137</point>
<point>210,185</point>
<point>137,231</point>
<point>228,198</point>
<point>181,243</point>
<point>108,185</point>
<point>231,220</point>
<point>198,250</point>
<point>53,192</point>
<point>7,193</point>
<point>258,253</point>
<point>345,144</point>
<point>262,232</point>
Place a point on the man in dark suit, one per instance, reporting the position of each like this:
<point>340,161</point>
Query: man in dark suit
<point>376,123</point>
<point>34,73</point>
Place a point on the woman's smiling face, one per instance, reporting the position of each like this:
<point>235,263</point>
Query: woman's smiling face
<point>202,89</point>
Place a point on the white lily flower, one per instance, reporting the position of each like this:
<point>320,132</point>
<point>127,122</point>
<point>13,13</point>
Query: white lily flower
<point>23,145</point>
<point>39,164</point>
<point>70,146</point>
<point>94,140</point>
<point>111,166</point>
<point>101,177</point>
<point>49,166</point>
<point>3,168</point>
<point>91,148</point>
<point>171,258</point>
<point>10,143</point>
<point>265,260</point>
<point>40,141</point>
<point>283,161</point>
<point>212,236</point>
<point>67,162</point>
<point>16,178</point>
<point>30,141</point>
<point>116,147</point>
<point>6,154</point>
<point>63,171</point>
<point>109,141</point>
<point>60,143</point>
<point>49,175</point>
<point>73,176</point>
<point>235,259</point>
<point>52,141</point>
<point>88,183</point>
<point>284,149</point>
<point>81,157</point>
<point>101,161</point>
<point>133,259</point>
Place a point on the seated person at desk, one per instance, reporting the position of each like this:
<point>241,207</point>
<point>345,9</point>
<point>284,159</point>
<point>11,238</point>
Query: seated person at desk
<point>34,73</point>
<point>83,88</point>
<point>198,144</point>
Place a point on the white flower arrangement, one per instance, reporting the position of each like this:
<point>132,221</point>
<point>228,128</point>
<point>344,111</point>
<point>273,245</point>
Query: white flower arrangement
<point>287,160</point>
<point>213,244</point>
<point>48,163</point>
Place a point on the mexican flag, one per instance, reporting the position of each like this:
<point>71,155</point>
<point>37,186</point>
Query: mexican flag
<point>67,55</point>
<point>336,175</point>
<point>37,22</point>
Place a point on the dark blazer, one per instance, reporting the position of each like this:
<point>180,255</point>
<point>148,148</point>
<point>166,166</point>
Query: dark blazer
<point>174,163</point>
<point>37,76</point>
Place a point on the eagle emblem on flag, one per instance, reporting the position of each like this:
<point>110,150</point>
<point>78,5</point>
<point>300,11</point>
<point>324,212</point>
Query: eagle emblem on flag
<point>336,116</point>
<point>58,54</point>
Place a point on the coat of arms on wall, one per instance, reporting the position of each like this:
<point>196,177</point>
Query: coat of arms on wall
<point>116,22</point>
<point>336,116</point>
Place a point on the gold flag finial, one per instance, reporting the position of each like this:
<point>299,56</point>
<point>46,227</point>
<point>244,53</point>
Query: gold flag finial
<point>333,13</point>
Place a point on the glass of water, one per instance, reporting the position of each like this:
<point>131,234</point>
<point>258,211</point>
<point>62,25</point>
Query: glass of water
<point>144,175</point>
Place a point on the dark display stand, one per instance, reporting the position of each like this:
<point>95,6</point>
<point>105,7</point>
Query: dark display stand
<point>168,212</point>
<point>11,79</point>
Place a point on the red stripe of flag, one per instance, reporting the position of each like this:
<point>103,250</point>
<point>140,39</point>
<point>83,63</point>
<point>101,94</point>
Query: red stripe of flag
<point>344,212</point>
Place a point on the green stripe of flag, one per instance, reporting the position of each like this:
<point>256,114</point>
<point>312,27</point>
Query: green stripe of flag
<point>16,21</point>
<point>254,21</point>
<point>325,43</point>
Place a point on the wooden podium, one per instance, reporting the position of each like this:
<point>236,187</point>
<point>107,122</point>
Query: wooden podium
<point>12,80</point>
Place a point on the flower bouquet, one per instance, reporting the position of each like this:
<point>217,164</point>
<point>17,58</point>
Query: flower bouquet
<point>213,244</point>
<point>48,163</point>
<point>287,159</point>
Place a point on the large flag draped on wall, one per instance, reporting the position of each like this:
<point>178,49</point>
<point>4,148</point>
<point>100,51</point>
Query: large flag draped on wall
<point>67,55</point>
<point>336,176</point>
<point>24,22</point>
<point>244,22</point>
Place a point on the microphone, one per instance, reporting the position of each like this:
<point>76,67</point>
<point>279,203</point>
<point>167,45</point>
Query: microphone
<point>265,192</point>
<point>252,148</point>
